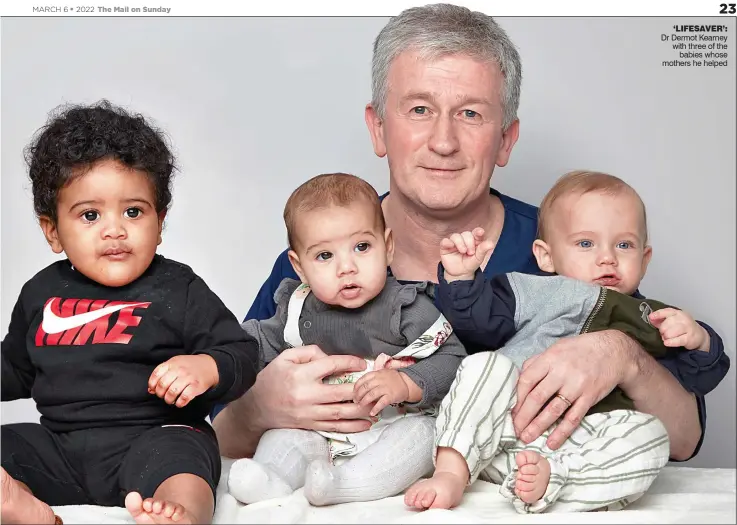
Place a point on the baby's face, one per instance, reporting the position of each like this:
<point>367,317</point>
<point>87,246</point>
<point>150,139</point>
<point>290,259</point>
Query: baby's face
<point>600,239</point>
<point>342,254</point>
<point>107,224</point>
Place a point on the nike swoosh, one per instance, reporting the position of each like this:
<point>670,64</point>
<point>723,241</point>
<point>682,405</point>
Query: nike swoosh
<point>53,324</point>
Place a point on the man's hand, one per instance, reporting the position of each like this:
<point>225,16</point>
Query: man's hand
<point>464,253</point>
<point>583,369</point>
<point>183,377</point>
<point>678,329</point>
<point>381,388</point>
<point>289,392</point>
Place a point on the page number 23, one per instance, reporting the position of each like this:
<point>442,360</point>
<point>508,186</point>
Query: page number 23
<point>727,9</point>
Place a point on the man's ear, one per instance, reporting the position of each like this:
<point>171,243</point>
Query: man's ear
<point>294,259</point>
<point>376,130</point>
<point>541,250</point>
<point>509,139</point>
<point>162,216</point>
<point>389,241</point>
<point>48,226</point>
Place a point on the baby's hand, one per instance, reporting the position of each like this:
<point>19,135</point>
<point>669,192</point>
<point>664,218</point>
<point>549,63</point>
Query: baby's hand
<point>677,329</point>
<point>383,387</point>
<point>182,378</point>
<point>463,253</point>
<point>387,361</point>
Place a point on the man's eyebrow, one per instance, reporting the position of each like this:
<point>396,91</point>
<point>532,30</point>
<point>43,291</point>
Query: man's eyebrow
<point>419,95</point>
<point>462,100</point>
<point>467,100</point>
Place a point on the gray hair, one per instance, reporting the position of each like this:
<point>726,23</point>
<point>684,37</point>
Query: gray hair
<point>444,29</point>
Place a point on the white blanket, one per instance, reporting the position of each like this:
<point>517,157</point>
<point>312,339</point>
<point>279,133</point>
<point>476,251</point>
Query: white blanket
<point>679,495</point>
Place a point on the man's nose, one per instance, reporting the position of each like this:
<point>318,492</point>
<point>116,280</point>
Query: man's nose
<point>444,137</point>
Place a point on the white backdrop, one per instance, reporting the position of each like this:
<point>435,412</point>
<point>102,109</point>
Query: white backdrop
<point>255,106</point>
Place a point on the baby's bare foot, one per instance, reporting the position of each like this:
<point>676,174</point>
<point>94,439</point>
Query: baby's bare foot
<point>443,491</point>
<point>532,477</point>
<point>19,505</point>
<point>153,510</point>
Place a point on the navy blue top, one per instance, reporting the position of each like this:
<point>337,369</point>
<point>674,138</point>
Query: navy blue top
<point>512,253</point>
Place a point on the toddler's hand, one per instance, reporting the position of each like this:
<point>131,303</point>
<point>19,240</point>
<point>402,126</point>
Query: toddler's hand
<point>183,377</point>
<point>463,253</point>
<point>677,329</point>
<point>383,387</point>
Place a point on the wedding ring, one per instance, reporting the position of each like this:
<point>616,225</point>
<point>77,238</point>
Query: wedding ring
<point>564,399</point>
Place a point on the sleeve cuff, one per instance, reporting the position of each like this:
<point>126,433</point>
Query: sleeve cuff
<point>461,295</point>
<point>226,374</point>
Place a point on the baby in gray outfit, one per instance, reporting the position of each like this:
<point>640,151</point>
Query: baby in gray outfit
<point>348,303</point>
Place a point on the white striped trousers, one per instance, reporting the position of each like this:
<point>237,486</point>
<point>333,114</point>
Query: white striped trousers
<point>609,461</point>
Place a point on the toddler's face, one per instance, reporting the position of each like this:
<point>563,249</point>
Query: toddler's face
<point>342,254</point>
<point>107,224</point>
<point>599,238</point>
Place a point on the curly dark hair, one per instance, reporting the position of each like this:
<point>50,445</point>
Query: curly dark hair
<point>76,137</point>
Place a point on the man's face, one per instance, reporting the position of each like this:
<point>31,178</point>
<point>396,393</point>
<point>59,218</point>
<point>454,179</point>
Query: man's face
<point>442,130</point>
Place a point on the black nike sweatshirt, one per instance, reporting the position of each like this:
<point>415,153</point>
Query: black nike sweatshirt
<point>84,352</point>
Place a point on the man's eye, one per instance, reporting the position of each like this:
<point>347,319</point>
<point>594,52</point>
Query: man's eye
<point>470,113</point>
<point>132,213</point>
<point>419,110</point>
<point>362,246</point>
<point>91,216</point>
<point>324,256</point>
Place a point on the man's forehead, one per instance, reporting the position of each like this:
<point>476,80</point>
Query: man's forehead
<point>411,65</point>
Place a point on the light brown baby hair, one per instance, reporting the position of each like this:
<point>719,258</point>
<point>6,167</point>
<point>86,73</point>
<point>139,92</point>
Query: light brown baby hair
<point>329,189</point>
<point>581,182</point>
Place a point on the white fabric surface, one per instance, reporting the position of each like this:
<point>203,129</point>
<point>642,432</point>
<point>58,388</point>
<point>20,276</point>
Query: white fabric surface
<point>679,495</point>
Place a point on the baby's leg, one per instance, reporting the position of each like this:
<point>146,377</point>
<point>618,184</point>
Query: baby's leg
<point>610,461</point>
<point>170,474</point>
<point>35,474</point>
<point>401,456</point>
<point>473,424</point>
<point>278,467</point>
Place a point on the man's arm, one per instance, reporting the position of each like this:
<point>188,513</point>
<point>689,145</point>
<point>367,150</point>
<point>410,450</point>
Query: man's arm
<point>289,393</point>
<point>584,369</point>
<point>655,391</point>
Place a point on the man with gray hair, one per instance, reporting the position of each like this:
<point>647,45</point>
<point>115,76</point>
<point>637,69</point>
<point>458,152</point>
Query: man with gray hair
<point>446,87</point>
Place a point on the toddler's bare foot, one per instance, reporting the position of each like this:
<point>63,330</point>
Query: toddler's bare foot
<point>532,477</point>
<point>19,505</point>
<point>153,510</point>
<point>443,491</point>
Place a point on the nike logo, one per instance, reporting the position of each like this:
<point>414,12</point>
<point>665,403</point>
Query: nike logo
<point>53,324</point>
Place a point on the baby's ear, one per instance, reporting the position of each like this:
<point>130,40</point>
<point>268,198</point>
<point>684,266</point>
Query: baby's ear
<point>389,241</point>
<point>294,259</point>
<point>541,250</point>
<point>48,226</point>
